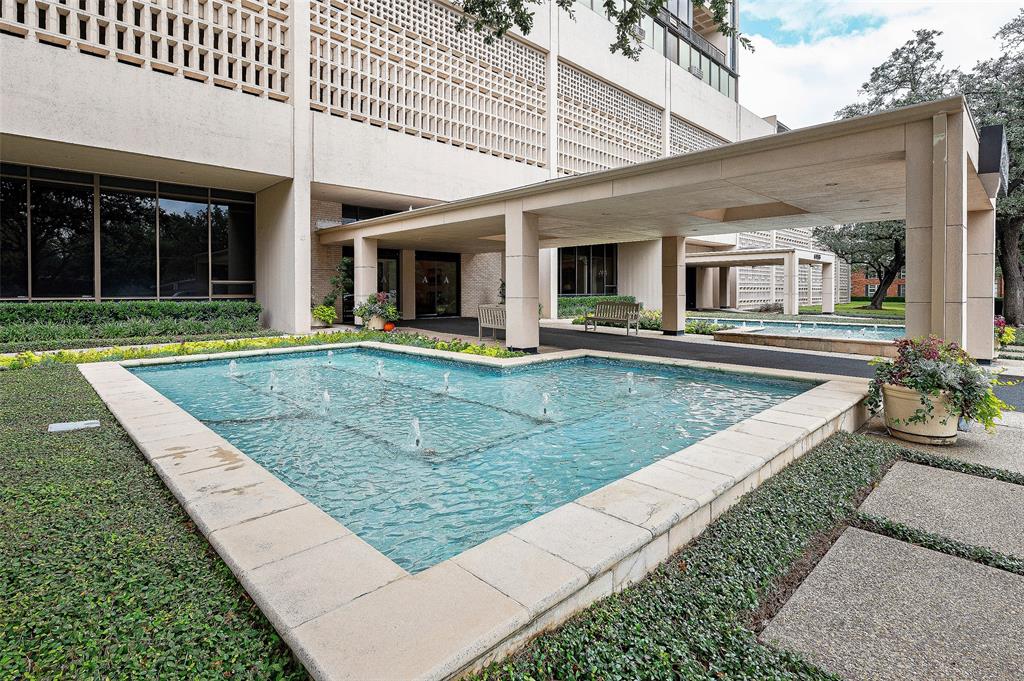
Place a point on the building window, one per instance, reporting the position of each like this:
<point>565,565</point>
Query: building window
<point>62,240</point>
<point>869,289</point>
<point>901,291</point>
<point>184,248</point>
<point>127,244</point>
<point>233,248</point>
<point>588,270</point>
<point>13,237</point>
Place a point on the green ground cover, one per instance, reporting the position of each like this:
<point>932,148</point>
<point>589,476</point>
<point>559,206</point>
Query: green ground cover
<point>102,575</point>
<point>859,308</point>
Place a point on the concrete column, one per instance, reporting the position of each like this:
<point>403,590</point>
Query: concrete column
<point>407,268</point>
<point>734,287</point>
<point>981,265</point>
<point>705,288</point>
<point>283,257</point>
<point>723,286</point>
<point>364,271</point>
<point>828,288</point>
<point>790,285</point>
<point>548,286</point>
<point>673,285</point>
<point>522,279</point>
<point>936,170</point>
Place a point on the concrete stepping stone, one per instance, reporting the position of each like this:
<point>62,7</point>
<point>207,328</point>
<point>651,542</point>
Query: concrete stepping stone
<point>879,609</point>
<point>967,508</point>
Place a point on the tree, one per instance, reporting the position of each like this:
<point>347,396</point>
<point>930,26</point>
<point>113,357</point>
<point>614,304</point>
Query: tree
<point>995,90</point>
<point>912,73</point>
<point>494,18</point>
<point>878,247</point>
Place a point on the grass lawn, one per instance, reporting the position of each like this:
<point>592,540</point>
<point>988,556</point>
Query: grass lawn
<point>859,308</point>
<point>102,574</point>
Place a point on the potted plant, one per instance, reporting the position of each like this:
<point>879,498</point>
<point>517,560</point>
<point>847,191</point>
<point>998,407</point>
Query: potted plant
<point>377,310</point>
<point>324,315</point>
<point>928,388</point>
<point>1005,334</point>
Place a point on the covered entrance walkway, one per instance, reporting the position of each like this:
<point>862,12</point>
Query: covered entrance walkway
<point>918,164</point>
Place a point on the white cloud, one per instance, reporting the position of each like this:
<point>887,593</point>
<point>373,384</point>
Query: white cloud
<point>805,83</point>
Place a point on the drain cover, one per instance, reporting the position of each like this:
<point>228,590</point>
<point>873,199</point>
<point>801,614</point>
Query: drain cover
<point>72,425</point>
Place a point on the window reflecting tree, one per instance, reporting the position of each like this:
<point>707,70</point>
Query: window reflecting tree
<point>62,240</point>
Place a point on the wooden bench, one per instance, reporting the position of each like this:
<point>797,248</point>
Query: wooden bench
<point>627,313</point>
<point>490,317</point>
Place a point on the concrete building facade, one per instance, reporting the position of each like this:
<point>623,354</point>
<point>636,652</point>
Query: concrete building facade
<point>216,137</point>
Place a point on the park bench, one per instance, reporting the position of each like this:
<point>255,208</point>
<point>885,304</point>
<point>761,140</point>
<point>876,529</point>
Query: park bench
<point>622,313</point>
<point>490,317</point>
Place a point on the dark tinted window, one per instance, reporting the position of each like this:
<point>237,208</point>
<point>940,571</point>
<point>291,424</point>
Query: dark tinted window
<point>233,241</point>
<point>184,254</point>
<point>128,244</point>
<point>62,240</point>
<point>13,238</point>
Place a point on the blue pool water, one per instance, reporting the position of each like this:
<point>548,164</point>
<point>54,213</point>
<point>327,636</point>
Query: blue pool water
<point>822,330</point>
<point>489,457</point>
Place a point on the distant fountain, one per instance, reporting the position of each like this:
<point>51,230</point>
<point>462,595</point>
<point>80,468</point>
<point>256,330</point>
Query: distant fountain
<point>814,325</point>
<point>417,437</point>
<point>380,368</point>
<point>798,326</point>
<point>545,399</point>
<point>875,328</point>
<point>232,368</point>
<point>330,357</point>
<point>447,375</point>
<point>273,381</point>
<point>325,401</point>
<point>630,384</point>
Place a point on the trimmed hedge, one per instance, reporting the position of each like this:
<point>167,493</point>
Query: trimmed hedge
<point>574,306</point>
<point>888,299</point>
<point>91,313</point>
<point>689,619</point>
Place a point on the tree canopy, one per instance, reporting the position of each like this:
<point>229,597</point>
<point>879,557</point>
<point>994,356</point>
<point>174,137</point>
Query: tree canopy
<point>494,18</point>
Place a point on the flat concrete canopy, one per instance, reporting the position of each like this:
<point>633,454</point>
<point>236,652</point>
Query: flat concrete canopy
<point>839,172</point>
<point>756,257</point>
<point>918,164</point>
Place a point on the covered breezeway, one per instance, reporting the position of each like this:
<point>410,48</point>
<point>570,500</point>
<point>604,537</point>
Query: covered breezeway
<point>918,164</point>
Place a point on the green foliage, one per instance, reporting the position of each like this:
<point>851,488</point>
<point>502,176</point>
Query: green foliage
<point>575,306</point>
<point>934,367</point>
<point>325,313</point>
<point>650,320</point>
<point>877,247</point>
<point>91,313</point>
<point>687,619</point>
<point>48,324</point>
<point>31,359</point>
<point>102,574</point>
<point>381,305</point>
<point>703,327</point>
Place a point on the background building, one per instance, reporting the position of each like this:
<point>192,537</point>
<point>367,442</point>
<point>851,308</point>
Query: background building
<point>191,149</point>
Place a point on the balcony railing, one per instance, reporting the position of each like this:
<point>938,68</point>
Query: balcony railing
<point>694,38</point>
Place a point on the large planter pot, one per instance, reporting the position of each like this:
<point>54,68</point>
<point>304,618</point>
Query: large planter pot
<point>375,323</point>
<point>900,404</point>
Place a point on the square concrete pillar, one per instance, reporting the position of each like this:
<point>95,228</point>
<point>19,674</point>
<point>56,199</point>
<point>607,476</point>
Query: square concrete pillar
<point>705,288</point>
<point>828,288</point>
<point>981,266</point>
<point>364,271</point>
<point>673,285</point>
<point>548,285</point>
<point>723,286</point>
<point>522,279</point>
<point>283,256</point>
<point>936,172</point>
<point>790,285</point>
<point>407,272</point>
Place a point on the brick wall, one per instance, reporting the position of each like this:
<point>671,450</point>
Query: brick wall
<point>481,277</point>
<point>324,259</point>
<point>859,282</point>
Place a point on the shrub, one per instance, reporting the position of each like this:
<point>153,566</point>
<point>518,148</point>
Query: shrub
<point>1005,334</point>
<point>381,304</point>
<point>650,320</point>
<point>325,313</point>
<point>575,306</point>
<point>703,327</point>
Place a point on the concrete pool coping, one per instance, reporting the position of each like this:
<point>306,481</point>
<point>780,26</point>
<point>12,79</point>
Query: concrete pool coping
<point>755,335</point>
<point>349,612</point>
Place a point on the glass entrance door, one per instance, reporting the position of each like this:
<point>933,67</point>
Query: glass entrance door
<point>437,284</point>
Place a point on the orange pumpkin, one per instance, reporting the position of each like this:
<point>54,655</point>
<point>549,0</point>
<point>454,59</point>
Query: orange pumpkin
<point>389,326</point>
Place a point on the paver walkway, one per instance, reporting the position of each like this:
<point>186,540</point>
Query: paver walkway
<point>967,508</point>
<point>879,609</point>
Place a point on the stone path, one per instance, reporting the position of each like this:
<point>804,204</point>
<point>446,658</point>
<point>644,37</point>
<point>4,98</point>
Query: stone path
<point>879,608</point>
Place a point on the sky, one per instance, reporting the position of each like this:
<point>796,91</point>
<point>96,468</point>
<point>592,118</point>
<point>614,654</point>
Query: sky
<point>811,56</point>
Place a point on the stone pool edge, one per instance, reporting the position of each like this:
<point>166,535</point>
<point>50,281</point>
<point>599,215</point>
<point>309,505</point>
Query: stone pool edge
<point>347,611</point>
<point>848,346</point>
